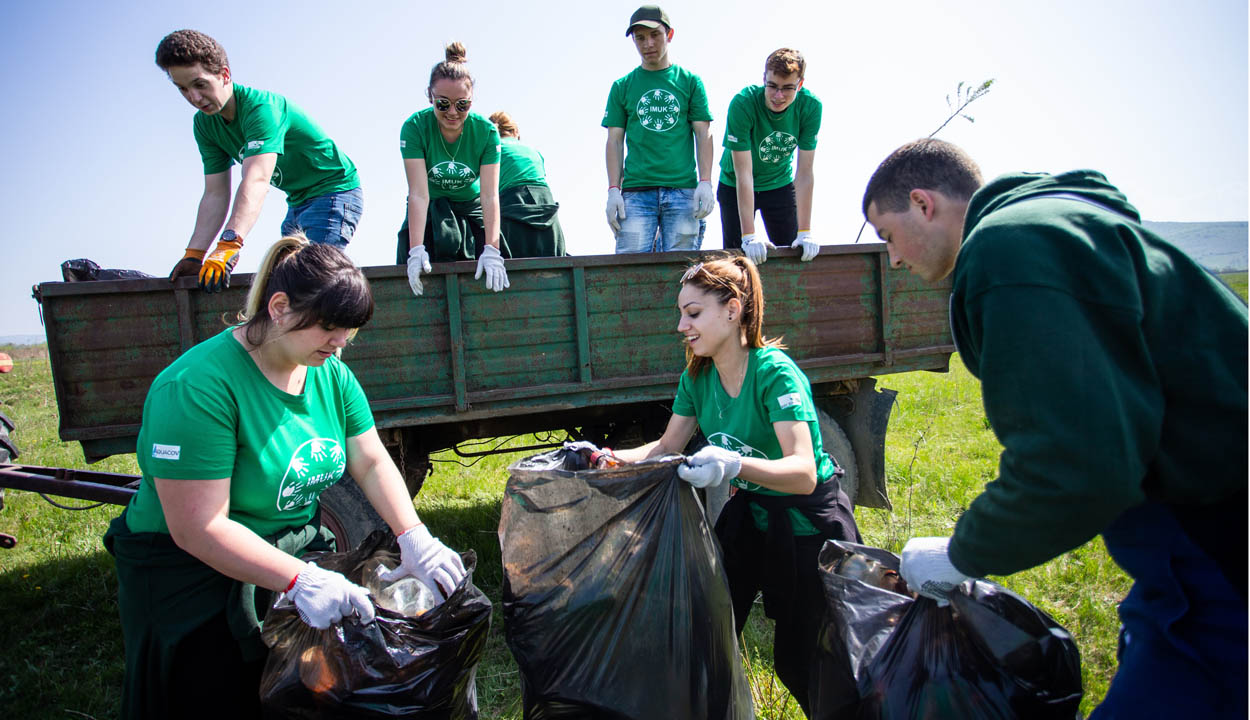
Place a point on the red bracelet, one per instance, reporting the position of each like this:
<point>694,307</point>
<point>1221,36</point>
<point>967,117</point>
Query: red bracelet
<point>614,187</point>
<point>288,587</point>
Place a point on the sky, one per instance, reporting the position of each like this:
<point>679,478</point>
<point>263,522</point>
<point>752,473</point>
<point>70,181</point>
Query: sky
<point>101,162</point>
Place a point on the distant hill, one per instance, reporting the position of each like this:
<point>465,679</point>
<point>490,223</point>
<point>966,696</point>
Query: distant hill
<point>1220,246</point>
<point>22,339</point>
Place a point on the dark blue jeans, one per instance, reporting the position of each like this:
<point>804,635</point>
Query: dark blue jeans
<point>328,218</point>
<point>1183,625</point>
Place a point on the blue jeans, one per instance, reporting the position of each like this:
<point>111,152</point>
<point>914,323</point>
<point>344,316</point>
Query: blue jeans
<point>328,218</point>
<point>1183,634</point>
<point>658,220</point>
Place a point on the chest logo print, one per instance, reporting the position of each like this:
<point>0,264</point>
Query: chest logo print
<point>777,147</point>
<point>314,466</point>
<point>658,110</point>
<point>451,175</point>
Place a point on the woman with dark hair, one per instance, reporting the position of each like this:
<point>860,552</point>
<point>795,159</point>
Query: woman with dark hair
<point>240,436</point>
<point>755,407</point>
<point>451,160</point>
<point>527,210</point>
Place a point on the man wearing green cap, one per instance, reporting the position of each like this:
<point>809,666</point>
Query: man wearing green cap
<point>656,201</point>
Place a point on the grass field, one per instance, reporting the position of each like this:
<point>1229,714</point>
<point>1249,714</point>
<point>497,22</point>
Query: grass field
<point>62,642</point>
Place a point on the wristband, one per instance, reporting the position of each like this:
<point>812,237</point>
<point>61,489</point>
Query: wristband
<point>614,187</point>
<point>288,587</point>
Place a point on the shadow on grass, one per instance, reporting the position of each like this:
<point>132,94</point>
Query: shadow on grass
<point>61,638</point>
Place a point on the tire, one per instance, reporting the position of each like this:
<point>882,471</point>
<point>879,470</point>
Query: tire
<point>348,514</point>
<point>838,445</point>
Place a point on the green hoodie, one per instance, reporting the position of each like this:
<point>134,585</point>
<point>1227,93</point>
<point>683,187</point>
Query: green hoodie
<point>1113,368</point>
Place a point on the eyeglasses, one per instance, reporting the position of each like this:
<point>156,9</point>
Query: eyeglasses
<point>443,104</point>
<point>774,87</point>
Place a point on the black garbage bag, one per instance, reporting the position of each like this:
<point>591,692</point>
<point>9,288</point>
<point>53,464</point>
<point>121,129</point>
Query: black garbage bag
<point>411,667</point>
<point>84,270</point>
<point>615,602</point>
<point>989,654</point>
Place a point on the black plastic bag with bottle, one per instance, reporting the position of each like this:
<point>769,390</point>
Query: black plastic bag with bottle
<point>887,654</point>
<point>615,602</point>
<point>420,667</point>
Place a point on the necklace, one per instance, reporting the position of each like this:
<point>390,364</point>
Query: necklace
<point>450,154</point>
<point>741,380</point>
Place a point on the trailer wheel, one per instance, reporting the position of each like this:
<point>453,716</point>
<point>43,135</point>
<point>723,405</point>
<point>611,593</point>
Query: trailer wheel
<point>838,445</point>
<point>348,514</point>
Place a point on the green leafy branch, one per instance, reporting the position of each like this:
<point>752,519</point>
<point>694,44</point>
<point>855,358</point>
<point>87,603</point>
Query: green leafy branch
<point>965,95</point>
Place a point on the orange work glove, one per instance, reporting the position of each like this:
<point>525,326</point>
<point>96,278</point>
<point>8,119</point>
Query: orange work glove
<point>188,265</point>
<point>215,272</point>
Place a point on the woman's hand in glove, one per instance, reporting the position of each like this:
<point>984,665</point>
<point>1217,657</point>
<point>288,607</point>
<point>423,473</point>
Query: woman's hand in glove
<point>422,556</point>
<point>710,466</point>
<point>324,597</point>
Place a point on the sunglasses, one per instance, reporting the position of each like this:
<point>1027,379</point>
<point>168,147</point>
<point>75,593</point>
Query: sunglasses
<point>443,104</point>
<point>691,273</point>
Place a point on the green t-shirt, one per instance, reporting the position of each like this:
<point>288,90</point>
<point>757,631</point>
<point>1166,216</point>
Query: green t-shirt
<point>212,414</point>
<point>656,108</point>
<point>309,163</point>
<point>452,170</point>
<point>520,164</point>
<point>774,390</point>
<point>771,137</point>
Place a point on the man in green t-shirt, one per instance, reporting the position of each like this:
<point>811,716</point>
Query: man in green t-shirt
<point>764,126</point>
<point>274,142</point>
<point>659,112</point>
<point>1113,371</point>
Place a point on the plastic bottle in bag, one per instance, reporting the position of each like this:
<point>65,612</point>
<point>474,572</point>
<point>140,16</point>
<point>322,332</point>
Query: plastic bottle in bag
<point>407,596</point>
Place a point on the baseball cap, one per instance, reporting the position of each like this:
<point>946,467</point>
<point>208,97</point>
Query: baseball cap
<point>648,16</point>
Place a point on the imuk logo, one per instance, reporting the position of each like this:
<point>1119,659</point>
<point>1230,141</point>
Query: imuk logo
<point>314,466</point>
<point>276,178</point>
<point>166,452</point>
<point>452,175</point>
<point>777,147</point>
<point>658,110</point>
<point>729,442</point>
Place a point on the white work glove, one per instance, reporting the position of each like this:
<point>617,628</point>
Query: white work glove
<point>757,248</point>
<point>810,247</point>
<point>418,262</point>
<point>324,597</point>
<point>927,568</point>
<point>491,263</point>
<point>615,209</point>
<point>704,199</point>
<point>710,466</point>
<point>422,556</point>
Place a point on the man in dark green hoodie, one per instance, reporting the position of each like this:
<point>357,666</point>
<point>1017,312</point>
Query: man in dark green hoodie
<point>1114,373</point>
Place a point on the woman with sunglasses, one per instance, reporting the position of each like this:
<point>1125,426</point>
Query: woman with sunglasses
<point>451,160</point>
<point>526,207</point>
<point>755,407</point>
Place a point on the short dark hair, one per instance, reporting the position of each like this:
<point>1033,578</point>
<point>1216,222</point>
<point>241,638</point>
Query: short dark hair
<point>927,164</point>
<point>183,48</point>
<point>323,285</point>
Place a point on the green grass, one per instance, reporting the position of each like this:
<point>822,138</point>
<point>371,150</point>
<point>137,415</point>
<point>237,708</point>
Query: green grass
<point>59,627</point>
<point>1237,281</point>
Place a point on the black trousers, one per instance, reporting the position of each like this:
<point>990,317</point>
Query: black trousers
<point>778,208</point>
<point>798,625</point>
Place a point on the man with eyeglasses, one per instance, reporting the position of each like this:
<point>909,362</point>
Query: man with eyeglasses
<point>656,201</point>
<point>764,126</point>
<point>274,142</point>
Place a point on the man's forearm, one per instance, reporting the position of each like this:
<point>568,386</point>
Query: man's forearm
<point>803,186</point>
<point>248,202</point>
<point>208,219</point>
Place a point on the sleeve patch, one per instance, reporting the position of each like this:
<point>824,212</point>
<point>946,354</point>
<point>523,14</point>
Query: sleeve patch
<point>255,144</point>
<point>789,400</point>
<point>166,452</point>
<point>732,138</point>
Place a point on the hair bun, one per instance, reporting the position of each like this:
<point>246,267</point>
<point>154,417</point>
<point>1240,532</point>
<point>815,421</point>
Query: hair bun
<point>456,53</point>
